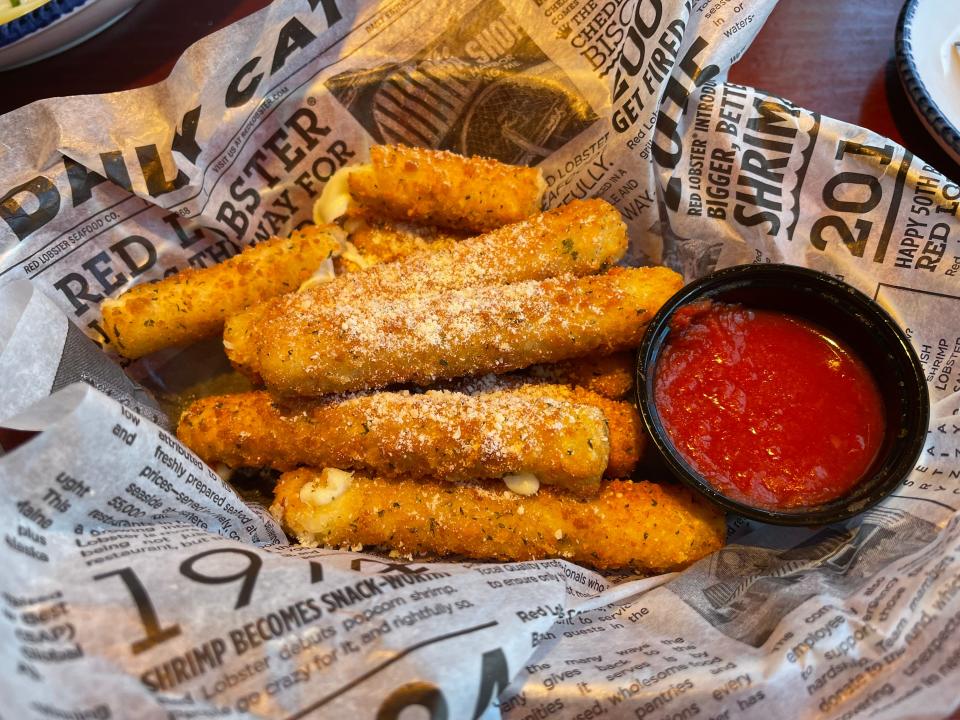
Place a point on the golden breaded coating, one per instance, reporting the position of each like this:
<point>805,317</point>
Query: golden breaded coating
<point>194,303</point>
<point>609,375</point>
<point>434,187</point>
<point>435,434</point>
<point>640,526</point>
<point>625,429</point>
<point>352,346</point>
<point>380,241</point>
<point>579,238</point>
<point>241,340</point>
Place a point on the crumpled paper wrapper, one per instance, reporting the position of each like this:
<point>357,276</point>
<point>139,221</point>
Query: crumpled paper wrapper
<point>138,584</point>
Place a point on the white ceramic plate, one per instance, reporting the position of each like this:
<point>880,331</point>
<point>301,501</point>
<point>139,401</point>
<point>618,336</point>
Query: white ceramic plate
<point>928,61</point>
<point>57,26</point>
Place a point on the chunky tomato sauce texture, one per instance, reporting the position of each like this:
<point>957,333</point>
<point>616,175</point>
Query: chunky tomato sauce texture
<point>770,409</point>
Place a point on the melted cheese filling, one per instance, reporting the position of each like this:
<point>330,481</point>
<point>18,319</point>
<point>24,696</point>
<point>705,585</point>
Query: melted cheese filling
<point>323,274</point>
<point>335,198</point>
<point>331,484</point>
<point>523,483</point>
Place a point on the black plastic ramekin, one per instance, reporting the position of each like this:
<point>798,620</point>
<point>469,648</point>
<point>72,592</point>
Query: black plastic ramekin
<point>850,316</point>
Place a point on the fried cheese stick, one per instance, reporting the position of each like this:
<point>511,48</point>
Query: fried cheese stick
<point>381,241</point>
<point>579,238</point>
<point>434,187</point>
<point>354,346</point>
<point>609,375</point>
<point>639,526</point>
<point>254,430</point>
<point>194,303</point>
<point>437,434</point>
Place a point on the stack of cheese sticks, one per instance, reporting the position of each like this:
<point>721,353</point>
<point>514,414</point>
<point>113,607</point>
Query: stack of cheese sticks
<point>458,387</point>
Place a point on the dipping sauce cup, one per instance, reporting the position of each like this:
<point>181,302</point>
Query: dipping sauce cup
<point>870,377</point>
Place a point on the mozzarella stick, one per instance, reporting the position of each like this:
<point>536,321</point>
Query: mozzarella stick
<point>639,526</point>
<point>609,375</point>
<point>579,238</point>
<point>421,339</point>
<point>380,241</point>
<point>435,187</point>
<point>194,303</point>
<point>437,434</point>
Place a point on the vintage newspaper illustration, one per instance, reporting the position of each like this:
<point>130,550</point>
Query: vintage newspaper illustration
<point>139,584</point>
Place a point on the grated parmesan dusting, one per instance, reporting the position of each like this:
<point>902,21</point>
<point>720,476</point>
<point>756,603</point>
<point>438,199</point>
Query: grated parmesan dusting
<point>536,248</point>
<point>348,345</point>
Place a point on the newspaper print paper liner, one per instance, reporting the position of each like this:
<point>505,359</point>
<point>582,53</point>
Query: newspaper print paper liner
<point>205,610</point>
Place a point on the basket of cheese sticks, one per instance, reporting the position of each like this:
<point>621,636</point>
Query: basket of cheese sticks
<point>456,381</point>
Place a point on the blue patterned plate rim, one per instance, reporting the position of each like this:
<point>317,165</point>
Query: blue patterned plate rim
<point>924,103</point>
<point>36,20</point>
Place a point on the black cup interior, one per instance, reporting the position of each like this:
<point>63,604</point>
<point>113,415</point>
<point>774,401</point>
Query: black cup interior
<point>846,314</point>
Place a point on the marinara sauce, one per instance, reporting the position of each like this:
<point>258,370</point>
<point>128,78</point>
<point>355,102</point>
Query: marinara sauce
<point>771,411</point>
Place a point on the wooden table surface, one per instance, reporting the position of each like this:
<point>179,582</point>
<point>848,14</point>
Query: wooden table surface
<point>832,56</point>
